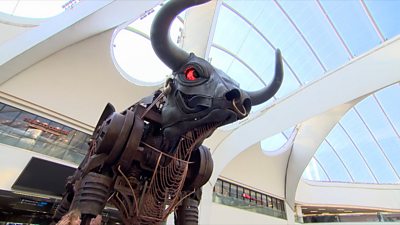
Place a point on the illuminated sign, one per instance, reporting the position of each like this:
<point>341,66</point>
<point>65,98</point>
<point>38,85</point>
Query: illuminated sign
<point>33,202</point>
<point>46,127</point>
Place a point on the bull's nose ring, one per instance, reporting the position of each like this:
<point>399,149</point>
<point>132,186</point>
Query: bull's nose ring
<point>242,112</point>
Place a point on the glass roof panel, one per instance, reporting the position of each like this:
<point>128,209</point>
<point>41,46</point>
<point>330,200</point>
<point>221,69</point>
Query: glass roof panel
<point>317,31</point>
<point>235,69</point>
<point>230,31</point>
<point>375,119</point>
<point>240,73</point>
<point>249,9</point>
<point>220,59</point>
<point>352,24</point>
<point>261,60</point>
<point>388,98</point>
<point>369,148</point>
<point>238,36</point>
<point>248,80</point>
<point>274,24</point>
<point>332,164</point>
<point>386,15</point>
<point>314,171</point>
<point>391,148</point>
<point>381,128</point>
<point>350,156</point>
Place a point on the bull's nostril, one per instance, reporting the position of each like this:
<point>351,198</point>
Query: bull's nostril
<point>247,104</point>
<point>232,95</point>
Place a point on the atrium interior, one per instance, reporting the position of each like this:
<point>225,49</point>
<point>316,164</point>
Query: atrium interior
<point>325,148</point>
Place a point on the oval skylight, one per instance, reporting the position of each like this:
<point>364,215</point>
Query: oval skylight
<point>35,8</point>
<point>134,56</point>
<point>274,145</point>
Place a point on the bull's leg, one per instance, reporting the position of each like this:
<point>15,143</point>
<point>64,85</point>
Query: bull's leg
<point>65,203</point>
<point>63,207</point>
<point>188,212</point>
<point>91,195</point>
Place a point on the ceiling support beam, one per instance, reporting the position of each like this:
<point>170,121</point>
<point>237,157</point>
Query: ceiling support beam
<point>311,134</point>
<point>199,26</point>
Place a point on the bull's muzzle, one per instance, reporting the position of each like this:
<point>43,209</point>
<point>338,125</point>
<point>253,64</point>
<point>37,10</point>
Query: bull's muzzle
<point>240,102</point>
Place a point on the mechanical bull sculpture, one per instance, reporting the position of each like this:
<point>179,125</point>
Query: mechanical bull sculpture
<point>149,161</point>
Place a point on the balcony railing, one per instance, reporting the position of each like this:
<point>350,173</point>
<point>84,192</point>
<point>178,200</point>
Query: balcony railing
<point>249,206</point>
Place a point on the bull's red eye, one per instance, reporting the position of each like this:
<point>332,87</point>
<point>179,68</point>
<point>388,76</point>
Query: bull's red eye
<point>191,74</point>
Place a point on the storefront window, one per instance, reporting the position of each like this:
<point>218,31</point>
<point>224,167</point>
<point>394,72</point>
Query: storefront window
<point>225,190</point>
<point>233,192</point>
<point>32,132</point>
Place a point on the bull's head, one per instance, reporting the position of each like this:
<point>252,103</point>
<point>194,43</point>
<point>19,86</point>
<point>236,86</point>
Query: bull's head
<point>200,94</point>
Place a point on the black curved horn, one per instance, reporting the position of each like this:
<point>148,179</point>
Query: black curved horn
<point>260,96</point>
<point>166,50</point>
